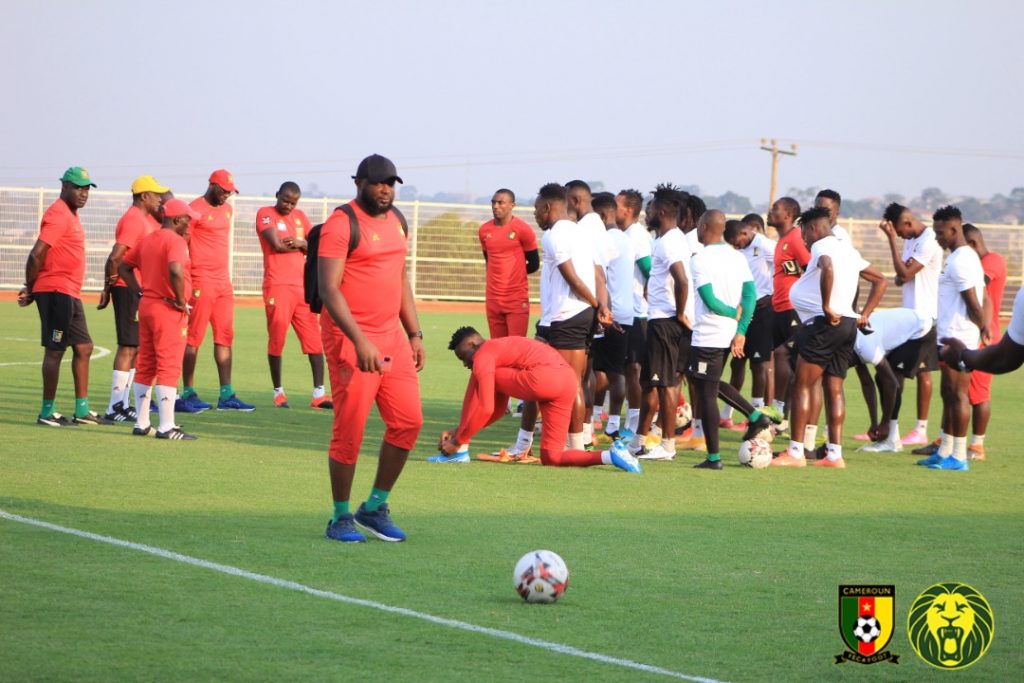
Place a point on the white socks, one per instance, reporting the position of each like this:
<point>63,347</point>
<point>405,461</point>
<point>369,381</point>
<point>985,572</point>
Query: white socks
<point>758,403</point>
<point>525,439</point>
<point>119,388</point>
<point>894,431</point>
<point>576,441</point>
<point>945,445</point>
<point>588,433</point>
<point>278,391</point>
<point>922,426</point>
<point>726,412</point>
<point>668,445</point>
<point>835,452</point>
<point>960,448</point>
<point>142,397</point>
<point>633,419</point>
<point>698,429</point>
<point>165,404</point>
<point>796,449</point>
<point>780,406</point>
<point>810,434</point>
<point>978,440</point>
<point>318,391</point>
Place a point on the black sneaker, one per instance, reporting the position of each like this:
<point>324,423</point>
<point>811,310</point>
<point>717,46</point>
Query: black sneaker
<point>176,434</point>
<point>55,420</point>
<point>91,418</point>
<point>755,428</point>
<point>119,414</point>
<point>144,431</point>
<point>709,465</point>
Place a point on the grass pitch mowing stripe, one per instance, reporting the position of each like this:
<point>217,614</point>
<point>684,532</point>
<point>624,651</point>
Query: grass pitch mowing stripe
<point>371,604</point>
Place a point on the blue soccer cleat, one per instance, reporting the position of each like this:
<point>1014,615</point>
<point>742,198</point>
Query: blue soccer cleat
<point>234,403</point>
<point>622,459</point>
<point>379,523</point>
<point>950,463</point>
<point>199,404</point>
<point>933,459</point>
<point>460,457</point>
<point>344,530</point>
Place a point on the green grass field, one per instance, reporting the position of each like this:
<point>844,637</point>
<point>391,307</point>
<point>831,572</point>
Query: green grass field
<point>728,575</point>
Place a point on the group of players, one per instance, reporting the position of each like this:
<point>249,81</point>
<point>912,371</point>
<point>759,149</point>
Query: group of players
<point>626,308</point>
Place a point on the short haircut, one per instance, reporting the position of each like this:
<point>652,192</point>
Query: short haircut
<point>552,192</point>
<point>755,220</point>
<point>577,185</point>
<point>696,206</point>
<point>460,334</point>
<point>670,197</point>
<point>634,199</point>
<point>791,204</point>
<point>289,186</point>
<point>947,213</point>
<point>971,229</point>
<point>830,194</point>
<point>732,229</point>
<point>813,215</point>
<point>603,201</point>
<point>893,212</point>
<point>510,193</point>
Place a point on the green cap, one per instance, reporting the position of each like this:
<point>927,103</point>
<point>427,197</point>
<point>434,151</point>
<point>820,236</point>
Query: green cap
<point>78,176</point>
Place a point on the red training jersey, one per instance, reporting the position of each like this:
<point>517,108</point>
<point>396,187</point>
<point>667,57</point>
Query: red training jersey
<point>791,257</point>
<point>518,353</point>
<point>152,258</point>
<point>210,240</point>
<point>133,226</point>
<point>63,269</point>
<point>506,247</point>
<point>994,266</point>
<point>282,268</point>
<point>373,279</point>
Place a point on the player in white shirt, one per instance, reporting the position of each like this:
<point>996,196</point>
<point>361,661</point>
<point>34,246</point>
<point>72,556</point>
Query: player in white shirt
<point>823,299</point>
<point>1005,356</point>
<point>669,328</point>
<point>917,267</point>
<point>759,252</point>
<point>831,201</point>
<point>961,316</point>
<point>629,203</point>
<point>693,208</point>
<point>891,343</point>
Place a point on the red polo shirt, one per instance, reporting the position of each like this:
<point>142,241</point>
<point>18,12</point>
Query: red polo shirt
<point>63,269</point>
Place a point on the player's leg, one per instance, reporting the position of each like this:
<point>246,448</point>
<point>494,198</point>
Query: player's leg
<point>497,325</point>
<point>517,321</point>
<point>201,309</point>
<point>54,319</point>
<point>145,370</point>
<point>705,370</point>
<point>81,353</point>
<point>737,376</point>
<point>279,310</point>
<point>979,394</point>
<point>168,344</point>
<point>307,327</point>
<point>636,354</point>
<point>223,322</point>
<point>126,327</point>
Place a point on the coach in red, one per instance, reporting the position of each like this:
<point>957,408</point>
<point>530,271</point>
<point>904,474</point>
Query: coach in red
<point>373,345</point>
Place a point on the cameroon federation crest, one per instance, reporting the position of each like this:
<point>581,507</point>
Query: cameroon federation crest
<point>950,625</point>
<point>867,615</point>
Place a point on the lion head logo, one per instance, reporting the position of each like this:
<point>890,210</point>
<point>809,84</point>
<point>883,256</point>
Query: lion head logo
<point>950,625</point>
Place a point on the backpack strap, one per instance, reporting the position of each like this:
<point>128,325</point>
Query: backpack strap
<point>353,221</point>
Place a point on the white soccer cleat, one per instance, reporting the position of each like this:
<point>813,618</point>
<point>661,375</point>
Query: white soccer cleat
<point>887,446</point>
<point>657,453</point>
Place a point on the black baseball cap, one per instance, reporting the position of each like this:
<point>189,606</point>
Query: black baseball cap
<point>377,169</point>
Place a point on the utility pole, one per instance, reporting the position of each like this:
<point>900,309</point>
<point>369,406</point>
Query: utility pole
<point>774,149</point>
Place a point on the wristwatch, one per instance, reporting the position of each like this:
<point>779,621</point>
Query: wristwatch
<point>417,333</point>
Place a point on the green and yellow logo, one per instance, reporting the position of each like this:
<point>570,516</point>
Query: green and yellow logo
<point>867,619</point>
<point>950,625</point>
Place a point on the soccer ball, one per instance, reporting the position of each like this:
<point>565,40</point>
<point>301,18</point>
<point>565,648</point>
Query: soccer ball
<point>684,415</point>
<point>540,576</point>
<point>755,453</point>
<point>867,629</point>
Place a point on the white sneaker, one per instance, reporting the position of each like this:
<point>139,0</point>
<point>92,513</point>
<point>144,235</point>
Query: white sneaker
<point>519,448</point>
<point>657,453</point>
<point>887,446</point>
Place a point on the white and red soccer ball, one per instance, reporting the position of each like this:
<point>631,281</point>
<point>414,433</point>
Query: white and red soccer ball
<point>540,576</point>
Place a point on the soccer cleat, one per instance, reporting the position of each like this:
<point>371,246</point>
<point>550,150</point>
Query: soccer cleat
<point>460,457</point>
<point>709,465</point>
<point>344,530</point>
<point>684,433</point>
<point>622,459</point>
<point>232,402</point>
<point>148,431</point>
<point>932,459</point>
<point>129,413</point>
<point>379,523</point>
<point>176,434</point>
<point>652,440</point>
<point>199,404</point>
<point>625,434</point>
<point>976,452</point>
<point>739,426</point>
<point>915,437</point>
<point>928,449</point>
<point>322,403</point>
<point>839,464</point>
<point>656,453</point>
<point>181,405</point>
<point>91,418</point>
<point>773,413</point>
<point>55,420</point>
<point>694,443</point>
<point>887,446</point>
<point>950,463</point>
<point>119,414</point>
<point>787,460</point>
<point>280,401</point>
<point>754,428</point>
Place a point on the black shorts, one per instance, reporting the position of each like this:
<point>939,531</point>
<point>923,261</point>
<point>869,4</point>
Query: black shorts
<point>63,320</point>
<point>574,333</point>
<point>761,333</point>
<point>706,363</point>
<point>609,351</point>
<point>827,346</point>
<point>636,349</point>
<point>126,316</point>
<point>784,326</point>
<point>668,348</point>
<point>904,359</point>
<point>928,361</point>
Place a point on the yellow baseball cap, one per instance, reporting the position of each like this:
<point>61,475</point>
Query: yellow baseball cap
<point>147,183</point>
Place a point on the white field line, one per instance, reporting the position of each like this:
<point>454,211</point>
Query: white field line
<point>97,353</point>
<point>371,604</point>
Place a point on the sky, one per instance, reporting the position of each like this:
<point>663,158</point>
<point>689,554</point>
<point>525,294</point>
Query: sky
<point>469,96</point>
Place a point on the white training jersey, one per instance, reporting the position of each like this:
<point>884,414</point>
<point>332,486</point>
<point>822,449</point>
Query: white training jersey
<point>642,243</point>
<point>922,293</point>
<point>841,233</point>
<point>560,244</point>
<point>668,249</point>
<point>962,272</point>
<point>592,227</point>
<point>725,269</point>
<point>693,241</point>
<point>1016,327</point>
<point>846,266</point>
<point>760,255</point>
<point>892,328</point>
<point>619,272</point>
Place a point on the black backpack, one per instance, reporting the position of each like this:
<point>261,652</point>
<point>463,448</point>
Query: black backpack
<point>311,285</point>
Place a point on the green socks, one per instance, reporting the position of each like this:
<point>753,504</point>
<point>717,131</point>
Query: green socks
<point>340,508</point>
<point>714,457</point>
<point>47,409</point>
<point>377,498</point>
<point>226,392</point>
<point>81,407</point>
<point>188,392</point>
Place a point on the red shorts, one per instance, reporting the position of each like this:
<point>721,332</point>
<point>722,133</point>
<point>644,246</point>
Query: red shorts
<point>162,330</point>
<point>286,306</point>
<point>508,319</point>
<point>396,393</point>
<point>212,303</point>
<point>980,388</point>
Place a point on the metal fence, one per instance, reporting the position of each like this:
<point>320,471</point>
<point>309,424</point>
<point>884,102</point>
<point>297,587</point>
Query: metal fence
<point>444,253</point>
